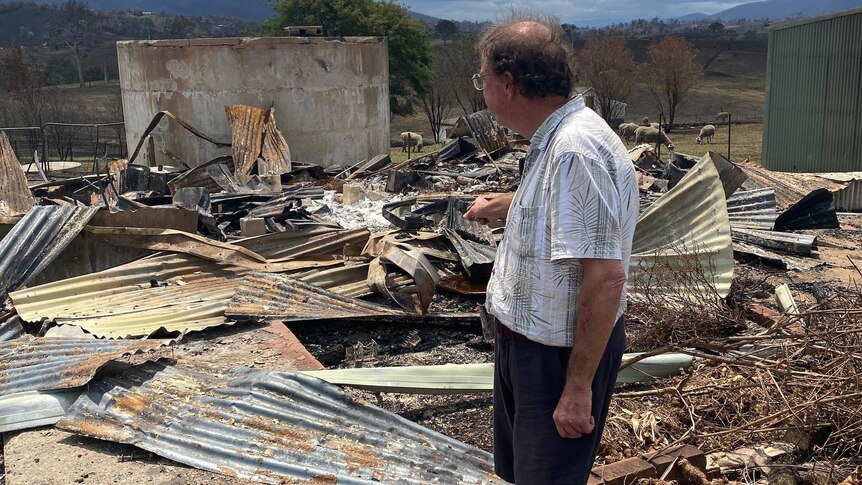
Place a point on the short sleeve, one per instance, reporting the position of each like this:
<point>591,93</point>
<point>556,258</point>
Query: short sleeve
<point>583,219</point>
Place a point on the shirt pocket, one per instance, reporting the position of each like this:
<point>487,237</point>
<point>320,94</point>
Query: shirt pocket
<point>524,230</point>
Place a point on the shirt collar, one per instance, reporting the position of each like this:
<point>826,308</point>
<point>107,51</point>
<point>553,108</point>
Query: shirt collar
<point>542,135</point>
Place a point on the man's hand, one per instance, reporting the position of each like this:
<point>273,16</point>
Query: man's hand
<point>479,211</point>
<point>484,210</point>
<point>573,415</point>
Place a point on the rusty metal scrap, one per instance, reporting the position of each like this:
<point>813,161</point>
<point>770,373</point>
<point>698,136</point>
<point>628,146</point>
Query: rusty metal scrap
<point>15,196</point>
<point>290,299</point>
<point>36,240</point>
<point>275,154</point>
<point>201,176</point>
<point>270,427</point>
<point>193,244</point>
<point>44,364</point>
<point>415,264</point>
<point>171,292</point>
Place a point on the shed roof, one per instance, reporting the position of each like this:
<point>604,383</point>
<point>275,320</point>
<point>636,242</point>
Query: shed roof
<point>810,20</point>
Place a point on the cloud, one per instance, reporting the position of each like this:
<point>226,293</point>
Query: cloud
<point>566,10</point>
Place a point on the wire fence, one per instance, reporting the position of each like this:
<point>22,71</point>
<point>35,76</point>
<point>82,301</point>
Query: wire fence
<point>86,144</point>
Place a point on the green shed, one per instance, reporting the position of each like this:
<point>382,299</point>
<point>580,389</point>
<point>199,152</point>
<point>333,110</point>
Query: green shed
<point>813,113</point>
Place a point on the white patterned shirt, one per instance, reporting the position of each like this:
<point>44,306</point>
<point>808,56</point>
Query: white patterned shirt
<point>578,198</point>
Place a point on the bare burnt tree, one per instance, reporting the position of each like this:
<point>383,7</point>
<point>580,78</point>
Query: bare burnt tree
<point>671,73</point>
<point>79,31</point>
<point>458,62</point>
<point>607,65</point>
<point>437,102</point>
<point>21,78</point>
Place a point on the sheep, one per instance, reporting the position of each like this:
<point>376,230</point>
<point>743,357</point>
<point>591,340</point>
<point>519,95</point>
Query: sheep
<point>645,121</point>
<point>410,139</point>
<point>627,131</point>
<point>649,134</point>
<point>706,133</point>
<point>722,116</point>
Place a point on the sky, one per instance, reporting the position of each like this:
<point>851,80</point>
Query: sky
<point>594,11</point>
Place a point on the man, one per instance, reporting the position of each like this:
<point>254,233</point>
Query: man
<point>557,291</point>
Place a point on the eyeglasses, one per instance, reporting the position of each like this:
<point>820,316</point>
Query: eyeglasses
<point>479,81</point>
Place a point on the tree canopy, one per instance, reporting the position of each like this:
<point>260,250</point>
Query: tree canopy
<point>410,52</point>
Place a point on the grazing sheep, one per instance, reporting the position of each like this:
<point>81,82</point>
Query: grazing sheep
<point>706,133</point>
<point>645,121</point>
<point>649,134</point>
<point>722,116</point>
<point>410,139</point>
<point>627,131</point>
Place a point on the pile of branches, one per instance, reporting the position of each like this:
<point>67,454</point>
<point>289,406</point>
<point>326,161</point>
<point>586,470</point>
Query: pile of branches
<point>796,381</point>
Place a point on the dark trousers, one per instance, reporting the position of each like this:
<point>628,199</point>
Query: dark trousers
<point>528,382</point>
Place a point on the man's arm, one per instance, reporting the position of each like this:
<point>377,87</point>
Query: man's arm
<point>484,210</point>
<point>599,300</point>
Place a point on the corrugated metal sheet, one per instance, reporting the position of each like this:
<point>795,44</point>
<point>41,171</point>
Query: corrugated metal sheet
<point>789,187</point>
<point>801,244</point>
<point>36,240</point>
<point>813,116</point>
<point>274,154</point>
<point>783,261</point>
<point>488,133</point>
<point>687,224</point>
<point>299,243</point>
<point>200,176</point>
<point>170,292</point>
<point>473,378</point>
<point>26,410</point>
<point>814,211</point>
<point>246,126</point>
<point>290,299</point>
<point>850,197</point>
<point>47,364</point>
<point>11,329</point>
<point>270,427</point>
<point>752,209</point>
<point>194,244</point>
<point>15,196</point>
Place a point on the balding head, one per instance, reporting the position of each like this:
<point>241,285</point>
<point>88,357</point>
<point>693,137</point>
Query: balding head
<point>535,52</point>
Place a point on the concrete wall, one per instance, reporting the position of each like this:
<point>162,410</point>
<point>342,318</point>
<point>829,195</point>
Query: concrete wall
<point>331,96</point>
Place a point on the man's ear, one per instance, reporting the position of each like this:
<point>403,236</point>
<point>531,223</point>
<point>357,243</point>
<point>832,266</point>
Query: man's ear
<point>509,85</point>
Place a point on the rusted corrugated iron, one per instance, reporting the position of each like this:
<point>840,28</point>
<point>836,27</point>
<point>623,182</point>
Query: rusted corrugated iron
<point>304,243</point>
<point>488,133</point>
<point>44,364</point>
<point>15,196</point>
<point>36,240</point>
<point>752,209</point>
<point>171,292</point>
<point>789,187</point>
<point>246,126</point>
<point>274,154</point>
<point>290,299</point>
<point>193,244</point>
<point>271,427</point>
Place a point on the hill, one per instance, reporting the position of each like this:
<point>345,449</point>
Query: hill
<point>777,10</point>
<point>248,9</point>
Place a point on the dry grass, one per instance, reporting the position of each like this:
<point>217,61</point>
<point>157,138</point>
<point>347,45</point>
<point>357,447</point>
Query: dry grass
<point>746,142</point>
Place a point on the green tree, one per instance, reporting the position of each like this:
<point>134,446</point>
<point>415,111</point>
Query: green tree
<point>410,51</point>
<point>446,29</point>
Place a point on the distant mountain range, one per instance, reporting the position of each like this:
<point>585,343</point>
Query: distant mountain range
<point>776,10</point>
<point>263,9</point>
<point>247,9</point>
